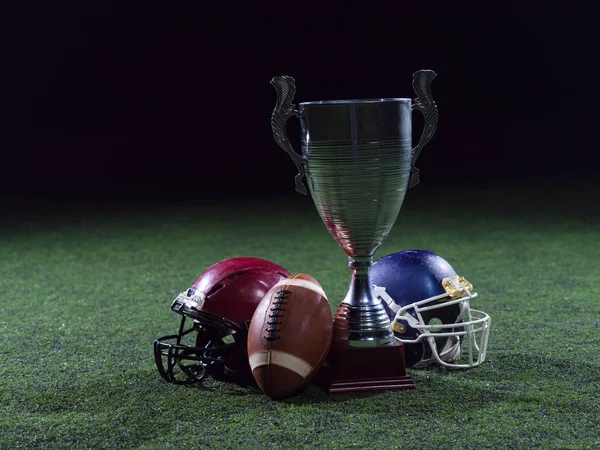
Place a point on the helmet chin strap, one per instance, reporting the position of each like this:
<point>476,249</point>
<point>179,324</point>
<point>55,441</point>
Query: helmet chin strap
<point>450,353</point>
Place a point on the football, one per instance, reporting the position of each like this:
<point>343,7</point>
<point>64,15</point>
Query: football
<point>289,336</point>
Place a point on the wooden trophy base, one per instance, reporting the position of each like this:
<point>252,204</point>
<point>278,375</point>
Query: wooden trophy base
<point>361,369</point>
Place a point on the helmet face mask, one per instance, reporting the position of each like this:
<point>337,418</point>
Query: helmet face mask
<point>219,305</point>
<point>191,354</point>
<point>435,329</point>
<point>448,329</point>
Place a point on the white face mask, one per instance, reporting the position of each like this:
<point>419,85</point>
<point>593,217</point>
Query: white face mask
<point>442,340</point>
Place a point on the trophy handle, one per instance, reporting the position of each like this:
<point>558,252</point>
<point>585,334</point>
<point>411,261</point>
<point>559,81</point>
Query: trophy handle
<point>284,109</point>
<point>424,102</point>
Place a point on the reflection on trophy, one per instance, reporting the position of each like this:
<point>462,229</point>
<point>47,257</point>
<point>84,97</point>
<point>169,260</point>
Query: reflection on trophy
<point>358,157</point>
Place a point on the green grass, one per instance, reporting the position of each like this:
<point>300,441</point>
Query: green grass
<point>83,295</point>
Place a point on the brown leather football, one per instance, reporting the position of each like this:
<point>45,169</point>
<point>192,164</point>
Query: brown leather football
<point>289,336</point>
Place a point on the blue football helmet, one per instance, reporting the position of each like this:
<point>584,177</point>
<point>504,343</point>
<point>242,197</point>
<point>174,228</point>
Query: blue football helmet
<point>428,304</point>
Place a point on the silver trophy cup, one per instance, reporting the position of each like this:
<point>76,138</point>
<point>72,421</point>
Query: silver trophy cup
<point>358,158</point>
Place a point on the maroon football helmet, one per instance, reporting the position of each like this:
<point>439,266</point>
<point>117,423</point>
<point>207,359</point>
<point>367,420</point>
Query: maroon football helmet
<point>220,303</point>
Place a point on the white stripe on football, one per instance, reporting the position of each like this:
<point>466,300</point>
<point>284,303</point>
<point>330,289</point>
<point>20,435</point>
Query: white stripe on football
<point>283,359</point>
<point>302,283</point>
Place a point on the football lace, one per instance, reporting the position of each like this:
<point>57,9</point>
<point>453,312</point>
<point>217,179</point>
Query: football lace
<point>276,314</point>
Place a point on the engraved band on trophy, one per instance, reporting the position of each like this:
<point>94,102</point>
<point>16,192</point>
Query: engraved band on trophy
<point>357,156</point>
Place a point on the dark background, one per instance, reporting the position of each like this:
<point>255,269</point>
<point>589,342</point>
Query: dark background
<point>172,101</point>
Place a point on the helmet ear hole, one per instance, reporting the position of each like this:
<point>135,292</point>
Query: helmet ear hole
<point>435,324</point>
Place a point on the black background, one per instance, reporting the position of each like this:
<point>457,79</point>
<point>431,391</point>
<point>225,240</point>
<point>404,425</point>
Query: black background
<point>172,100</point>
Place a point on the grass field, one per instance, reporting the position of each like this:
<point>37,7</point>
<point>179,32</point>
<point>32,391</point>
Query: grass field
<point>83,294</point>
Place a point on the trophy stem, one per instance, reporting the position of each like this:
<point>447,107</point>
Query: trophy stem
<point>364,355</point>
<point>361,320</point>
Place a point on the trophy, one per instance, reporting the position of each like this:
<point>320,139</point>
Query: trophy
<point>358,160</point>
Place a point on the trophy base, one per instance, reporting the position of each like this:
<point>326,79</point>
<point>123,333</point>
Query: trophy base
<point>361,369</point>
